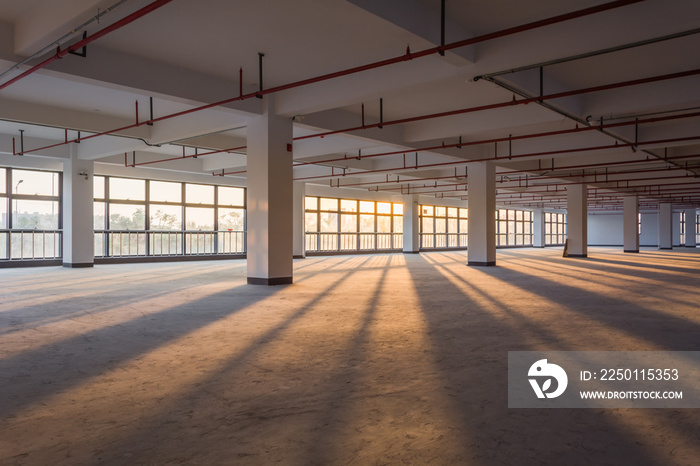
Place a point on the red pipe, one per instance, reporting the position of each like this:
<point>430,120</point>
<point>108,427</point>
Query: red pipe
<point>187,156</point>
<point>379,64</point>
<point>83,43</point>
<point>568,167</point>
<point>577,129</point>
<point>510,157</point>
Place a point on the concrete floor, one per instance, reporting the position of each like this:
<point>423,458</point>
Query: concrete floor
<point>384,359</point>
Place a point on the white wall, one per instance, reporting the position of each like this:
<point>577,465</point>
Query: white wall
<point>650,230</point>
<point>605,229</point>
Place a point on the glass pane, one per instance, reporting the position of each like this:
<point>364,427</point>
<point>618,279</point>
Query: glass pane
<point>3,246</point>
<point>426,210</point>
<point>367,223</point>
<point>99,244</point>
<point>329,222</point>
<point>199,194</point>
<point>427,225</point>
<point>3,213</point>
<point>383,224</point>
<point>383,207</point>
<point>311,222</point>
<point>35,183</point>
<point>440,225</point>
<point>511,215</point>
<point>98,216</point>
<point>163,191</point>
<point>231,196</point>
<point>518,214</point>
<point>3,184</point>
<point>329,204</point>
<point>452,225</point>
<point>311,203</point>
<point>348,223</point>
<point>398,209</point>
<point>398,224</point>
<point>463,213</point>
<point>42,215</point>
<point>367,207</point>
<point>199,218</point>
<point>440,211</point>
<point>347,205</point>
<point>98,187</point>
<point>165,217</point>
<point>231,219</point>
<point>464,226</point>
<point>127,217</point>
<point>131,190</point>
<point>452,211</point>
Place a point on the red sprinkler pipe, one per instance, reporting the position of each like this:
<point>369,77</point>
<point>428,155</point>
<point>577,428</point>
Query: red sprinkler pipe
<point>510,157</point>
<point>88,40</point>
<point>379,64</point>
<point>577,129</point>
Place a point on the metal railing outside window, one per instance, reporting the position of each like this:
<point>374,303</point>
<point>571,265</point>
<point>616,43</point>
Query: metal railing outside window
<point>345,225</point>
<point>146,218</point>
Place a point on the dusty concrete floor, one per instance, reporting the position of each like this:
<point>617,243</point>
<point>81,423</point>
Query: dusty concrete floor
<point>385,359</point>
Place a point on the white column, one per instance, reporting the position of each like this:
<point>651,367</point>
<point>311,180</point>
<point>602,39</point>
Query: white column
<point>270,198</point>
<point>299,233</point>
<point>78,225</point>
<point>690,228</point>
<point>676,229</point>
<point>482,214</point>
<point>631,224</point>
<point>665,221</point>
<point>538,239</point>
<point>577,220</point>
<point>411,224</point>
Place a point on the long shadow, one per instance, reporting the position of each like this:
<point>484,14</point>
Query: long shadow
<point>471,346</point>
<point>342,382</point>
<point>35,372</point>
<point>236,420</point>
<point>605,279</point>
<point>93,302</point>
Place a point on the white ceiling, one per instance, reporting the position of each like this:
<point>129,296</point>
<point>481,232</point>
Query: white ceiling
<point>187,54</point>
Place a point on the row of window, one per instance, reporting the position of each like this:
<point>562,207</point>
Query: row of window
<point>554,229</point>
<point>30,219</point>
<point>352,225</point>
<point>136,217</point>
<point>513,227</point>
<point>443,227</point>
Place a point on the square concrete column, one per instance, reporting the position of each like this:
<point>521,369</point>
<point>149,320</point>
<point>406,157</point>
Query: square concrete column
<point>270,198</point>
<point>299,227</point>
<point>630,228</point>
<point>690,228</point>
<point>577,220</point>
<point>482,214</point>
<point>665,226</point>
<point>78,225</point>
<point>411,224</point>
<point>538,239</point>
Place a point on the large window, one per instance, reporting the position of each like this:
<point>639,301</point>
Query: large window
<point>443,227</point>
<point>513,227</point>
<point>682,236</point>
<point>30,214</point>
<point>554,229</point>
<point>352,225</point>
<point>135,217</point>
